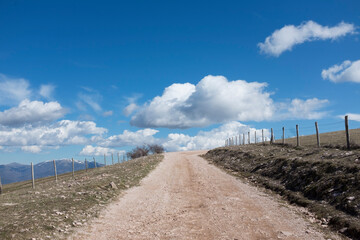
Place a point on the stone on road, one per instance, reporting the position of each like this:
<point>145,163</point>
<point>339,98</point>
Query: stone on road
<point>185,197</point>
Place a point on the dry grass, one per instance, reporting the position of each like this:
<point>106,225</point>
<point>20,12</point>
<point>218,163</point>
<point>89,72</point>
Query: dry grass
<point>331,139</point>
<point>53,210</point>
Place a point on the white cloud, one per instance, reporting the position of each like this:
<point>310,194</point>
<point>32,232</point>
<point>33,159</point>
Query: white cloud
<point>46,91</point>
<point>32,149</point>
<point>13,90</point>
<point>91,98</point>
<point>308,109</point>
<point>302,109</point>
<point>107,113</point>
<point>213,100</point>
<point>31,112</point>
<point>99,151</point>
<point>352,116</point>
<point>128,138</point>
<point>346,72</point>
<point>285,38</point>
<point>61,133</point>
<point>211,139</point>
<point>174,141</point>
<point>129,109</point>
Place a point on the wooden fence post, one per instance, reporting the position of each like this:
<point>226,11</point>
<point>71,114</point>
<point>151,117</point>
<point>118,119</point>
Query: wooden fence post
<point>55,171</point>
<point>272,136</point>
<point>317,134</point>
<point>94,162</point>
<point>244,139</point>
<point>32,175</point>
<point>0,186</point>
<point>283,136</point>
<point>236,142</point>
<point>249,138</point>
<point>262,135</point>
<point>347,132</point>
<point>73,168</point>
<point>86,165</point>
<point>240,139</point>
<point>297,136</point>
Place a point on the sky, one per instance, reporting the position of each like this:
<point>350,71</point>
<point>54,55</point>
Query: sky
<point>87,78</point>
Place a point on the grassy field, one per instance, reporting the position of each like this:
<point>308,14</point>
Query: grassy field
<point>53,210</point>
<point>331,139</point>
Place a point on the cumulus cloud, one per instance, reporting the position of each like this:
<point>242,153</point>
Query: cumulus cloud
<point>210,139</point>
<point>352,116</point>
<point>346,72</point>
<point>61,133</point>
<point>308,109</point>
<point>286,38</point>
<point>13,90</point>
<point>213,100</point>
<point>128,138</point>
<point>174,141</point>
<point>302,109</point>
<point>31,112</point>
<point>46,91</point>
<point>31,149</point>
<point>89,150</point>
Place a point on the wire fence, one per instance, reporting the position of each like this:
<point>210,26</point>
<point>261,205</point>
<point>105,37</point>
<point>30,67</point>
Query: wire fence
<point>341,134</point>
<point>76,166</point>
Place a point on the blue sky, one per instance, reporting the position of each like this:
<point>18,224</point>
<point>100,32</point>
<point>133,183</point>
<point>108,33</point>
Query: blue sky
<point>69,69</point>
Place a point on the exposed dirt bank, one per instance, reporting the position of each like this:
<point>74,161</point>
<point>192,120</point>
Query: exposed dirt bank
<point>327,181</point>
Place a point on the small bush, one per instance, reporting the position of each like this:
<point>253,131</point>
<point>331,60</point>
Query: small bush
<point>145,150</point>
<point>138,152</point>
<point>155,148</point>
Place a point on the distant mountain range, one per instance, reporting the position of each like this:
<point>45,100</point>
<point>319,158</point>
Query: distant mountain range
<point>15,172</point>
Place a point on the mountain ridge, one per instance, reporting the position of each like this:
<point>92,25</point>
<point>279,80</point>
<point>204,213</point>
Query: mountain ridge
<point>17,172</point>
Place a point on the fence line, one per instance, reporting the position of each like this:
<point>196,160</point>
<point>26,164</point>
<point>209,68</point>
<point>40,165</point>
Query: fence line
<point>73,169</point>
<point>229,141</point>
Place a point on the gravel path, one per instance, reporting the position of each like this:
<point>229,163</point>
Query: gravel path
<point>187,198</point>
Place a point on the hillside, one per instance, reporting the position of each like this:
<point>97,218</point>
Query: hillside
<point>54,209</point>
<point>15,172</point>
<point>326,180</point>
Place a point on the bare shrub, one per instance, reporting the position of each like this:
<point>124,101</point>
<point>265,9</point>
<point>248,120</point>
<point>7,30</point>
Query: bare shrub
<point>156,148</point>
<point>138,152</point>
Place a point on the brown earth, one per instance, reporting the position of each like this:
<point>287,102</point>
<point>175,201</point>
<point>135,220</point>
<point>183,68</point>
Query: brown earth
<point>185,197</point>
<point>53,210</point>
<point>324,180</point>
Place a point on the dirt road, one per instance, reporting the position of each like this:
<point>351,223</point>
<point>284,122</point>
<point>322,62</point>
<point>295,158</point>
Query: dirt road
<point>187,198</point>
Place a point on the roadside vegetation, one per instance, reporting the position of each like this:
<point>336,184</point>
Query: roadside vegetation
<point>145,150</point>
<point>54,209</point>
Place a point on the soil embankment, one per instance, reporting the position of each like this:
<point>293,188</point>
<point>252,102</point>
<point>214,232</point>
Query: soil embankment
<point>325,180</point>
